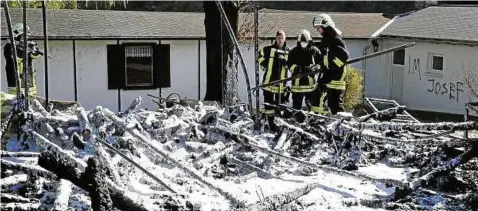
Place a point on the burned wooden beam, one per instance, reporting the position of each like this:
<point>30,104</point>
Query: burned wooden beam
<point>63,192</point>
<point>110,115</point>
<point>383,115</point>
<point>90,181</point>
<point>30,169</point>
<point>418,126</point>
<point>85,127</point>
<point>61,153</point>
<point>19,154</point>
<point>137,165</point>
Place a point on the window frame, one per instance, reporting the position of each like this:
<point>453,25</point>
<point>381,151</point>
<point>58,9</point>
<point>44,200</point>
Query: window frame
<point>435,72</point>
<point>404,58</point>
<point>117,69</point>
<point>125,71</point>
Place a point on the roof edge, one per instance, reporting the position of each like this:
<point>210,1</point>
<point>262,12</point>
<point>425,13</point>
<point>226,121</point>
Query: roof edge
<point>436,40</point>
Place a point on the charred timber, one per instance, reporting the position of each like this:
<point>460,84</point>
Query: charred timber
<point>383,115</point>
<point>251,142</point>
<point>470,125</point>
<point>85,127</point>
<point>89,181</point>
<point>19,154</point>
<point>31,170</point>
<point>20,206</point>
<point>131,108</point>
<point>63,192</point>
<point>275,202</point>
<point>8,198</point>
<point>162,183</point>
<point>58,151</point>
<point>110,115</point>
<point>449,166</point>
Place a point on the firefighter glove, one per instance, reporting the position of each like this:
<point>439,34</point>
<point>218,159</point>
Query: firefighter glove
<point>315,67</point>
<point>282,59</point>
<point>287,94</point>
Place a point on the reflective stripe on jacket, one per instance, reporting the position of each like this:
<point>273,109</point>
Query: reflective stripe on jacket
<point>335,68</point>
<point>273,69</point>
<point>299,58</point>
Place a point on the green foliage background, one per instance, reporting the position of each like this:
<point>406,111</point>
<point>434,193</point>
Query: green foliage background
<point>354,90</point>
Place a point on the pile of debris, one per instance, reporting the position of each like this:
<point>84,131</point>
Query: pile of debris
<point>200,157</point>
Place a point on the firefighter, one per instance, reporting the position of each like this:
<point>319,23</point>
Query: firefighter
<point>301,59</point>
<point>331,85</point>
<point>9,67</point>
<point>273,60</point>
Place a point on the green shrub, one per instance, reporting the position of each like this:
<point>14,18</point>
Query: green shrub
<point>353,96</point>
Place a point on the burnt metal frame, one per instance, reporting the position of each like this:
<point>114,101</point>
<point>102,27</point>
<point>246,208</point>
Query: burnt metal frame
<point>473,106</point>
<point>238,50</point>
<point>256,63</point>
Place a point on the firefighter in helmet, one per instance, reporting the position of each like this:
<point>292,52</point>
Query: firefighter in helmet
<point>34,53</point>
<point>273,60</point>
<point>331,85</point>
<point>302,59</point>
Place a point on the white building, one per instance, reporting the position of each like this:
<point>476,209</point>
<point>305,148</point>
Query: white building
<point>427,76</point>
<point>88,47</point>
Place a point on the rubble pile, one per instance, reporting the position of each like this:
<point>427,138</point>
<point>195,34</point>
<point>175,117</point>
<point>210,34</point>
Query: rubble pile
<point>203,157</point>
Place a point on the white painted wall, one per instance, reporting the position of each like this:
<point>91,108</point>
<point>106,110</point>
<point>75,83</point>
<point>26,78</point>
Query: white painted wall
<point>92,75</point>
<point>418,92</point>
<point>376,72</point>
<point>91,64</point>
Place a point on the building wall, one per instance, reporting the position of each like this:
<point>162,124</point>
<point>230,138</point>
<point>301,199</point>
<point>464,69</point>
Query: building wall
<point>433,92</point>
<point>188,72</point>
<point>375,73</point>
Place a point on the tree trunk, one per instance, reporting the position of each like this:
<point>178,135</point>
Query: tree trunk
<point>215,67</point>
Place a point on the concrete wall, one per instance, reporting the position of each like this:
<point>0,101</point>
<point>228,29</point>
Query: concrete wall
<point>445,92</point>
<point>188,72</point>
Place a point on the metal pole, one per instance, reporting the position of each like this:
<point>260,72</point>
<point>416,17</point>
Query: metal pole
<point>231,34</point>
<point>467,113</point>
<point>221,56</point>
<point>25,54</point>
<point>256,56</point>
<point>45,37</point>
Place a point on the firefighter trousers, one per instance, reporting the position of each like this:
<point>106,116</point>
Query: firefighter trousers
<point>333,98</point>
<point>271,111</point>
<point>298,98</point>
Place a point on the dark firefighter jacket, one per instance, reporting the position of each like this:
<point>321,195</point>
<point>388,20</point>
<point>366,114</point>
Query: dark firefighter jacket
<point>10,70</point>
<point>274,69</point>
<point>299,59</point>
<point>335,55</point>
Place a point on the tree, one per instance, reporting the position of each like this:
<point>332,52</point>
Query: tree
<point>217,40</point>
<point>71,4</point>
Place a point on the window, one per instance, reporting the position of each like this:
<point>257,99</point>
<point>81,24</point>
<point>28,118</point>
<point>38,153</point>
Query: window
<point>138,66</point>
<point>399,57</point>
<point>435,64</point>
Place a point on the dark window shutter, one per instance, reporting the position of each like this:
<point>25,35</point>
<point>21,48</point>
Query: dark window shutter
<point>162,68</point>
<point>116,67</point>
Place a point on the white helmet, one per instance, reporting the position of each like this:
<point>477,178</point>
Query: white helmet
<point>18,29</point>
<point>325,21</point>
<point>304,36</point>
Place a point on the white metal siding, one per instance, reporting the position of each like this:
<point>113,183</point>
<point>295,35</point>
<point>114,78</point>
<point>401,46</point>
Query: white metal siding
<point>184,69</point>
<point>92,75</point>
<point>418,91</point>
<point>377,83</point>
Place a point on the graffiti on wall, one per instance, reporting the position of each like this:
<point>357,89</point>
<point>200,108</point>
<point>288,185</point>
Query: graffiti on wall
<point>450,89</point>
<point>414,67</point>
